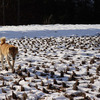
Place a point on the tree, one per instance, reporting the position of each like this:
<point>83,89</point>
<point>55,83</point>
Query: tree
<point>15,12</point>
<point>97,11</point>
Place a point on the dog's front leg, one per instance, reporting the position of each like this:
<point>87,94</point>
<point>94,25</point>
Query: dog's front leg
<point>13,62</point>
<point>8,61</point>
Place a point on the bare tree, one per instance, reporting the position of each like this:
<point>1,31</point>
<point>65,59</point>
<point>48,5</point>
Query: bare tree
<point>3,12</point>
<point>18,19</point>
<point>3,5</point>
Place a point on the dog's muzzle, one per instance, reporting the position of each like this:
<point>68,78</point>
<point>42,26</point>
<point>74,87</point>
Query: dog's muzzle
<point>13,58</point>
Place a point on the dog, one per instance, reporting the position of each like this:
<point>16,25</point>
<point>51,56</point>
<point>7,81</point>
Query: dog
<point>8,51</point>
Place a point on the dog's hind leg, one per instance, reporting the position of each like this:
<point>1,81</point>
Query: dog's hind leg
<point>2,57</point>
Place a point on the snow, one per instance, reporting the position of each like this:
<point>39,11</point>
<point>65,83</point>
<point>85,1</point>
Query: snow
<point>48,30</point>
<point>72,49</point>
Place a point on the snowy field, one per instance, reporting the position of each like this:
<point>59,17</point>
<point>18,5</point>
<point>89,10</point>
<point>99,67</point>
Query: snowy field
<point>55,62</point>
<point>49,30</point>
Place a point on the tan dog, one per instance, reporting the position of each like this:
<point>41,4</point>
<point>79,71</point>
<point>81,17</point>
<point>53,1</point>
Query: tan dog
<point>9,51</point>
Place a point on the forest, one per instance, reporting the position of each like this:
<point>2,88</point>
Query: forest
<point>23,12</point>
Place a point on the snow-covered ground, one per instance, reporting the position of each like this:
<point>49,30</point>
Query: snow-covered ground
<point>58,65</point>
<point>48,30</point>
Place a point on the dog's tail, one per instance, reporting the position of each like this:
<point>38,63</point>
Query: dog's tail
<point>3,40</point>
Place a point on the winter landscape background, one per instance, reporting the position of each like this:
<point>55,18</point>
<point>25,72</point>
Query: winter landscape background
<point>59,49</point>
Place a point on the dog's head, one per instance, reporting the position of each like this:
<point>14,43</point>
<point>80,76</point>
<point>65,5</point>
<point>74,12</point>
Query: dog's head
<point>13,51</point>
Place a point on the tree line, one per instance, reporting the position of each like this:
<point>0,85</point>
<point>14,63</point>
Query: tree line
<point>19,12</point>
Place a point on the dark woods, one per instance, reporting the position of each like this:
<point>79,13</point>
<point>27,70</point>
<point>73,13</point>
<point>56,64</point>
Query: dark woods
<point>16,12</point>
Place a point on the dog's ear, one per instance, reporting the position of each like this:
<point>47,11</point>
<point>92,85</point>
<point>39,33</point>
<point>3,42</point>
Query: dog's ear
<point>10,48</point>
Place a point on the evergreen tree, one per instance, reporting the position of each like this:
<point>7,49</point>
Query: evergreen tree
<point>14,12</point>
<point>97,11</point>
